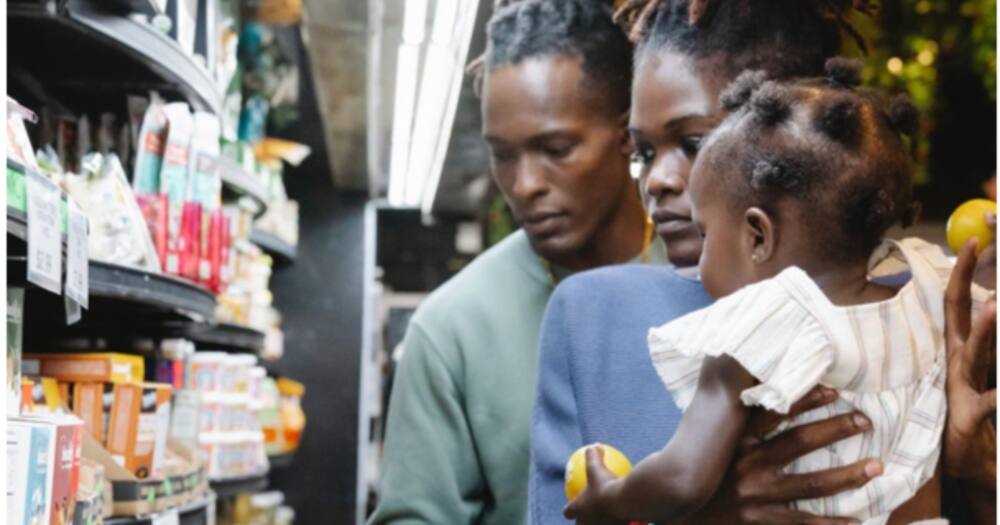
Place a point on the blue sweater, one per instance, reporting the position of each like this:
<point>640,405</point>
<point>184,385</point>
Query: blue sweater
<point>596,382</point>
<point>595,379</point>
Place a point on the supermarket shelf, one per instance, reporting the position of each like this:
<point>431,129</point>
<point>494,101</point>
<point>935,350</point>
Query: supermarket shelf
<point>197,507</point>
<point>282,252</point>
<point>283,460</point>
<point>116,39</point>
<point>228,487</point>
<point>146,7</point>
<point>111,283</point>
<point>236,181</point>
<point>223,336</point>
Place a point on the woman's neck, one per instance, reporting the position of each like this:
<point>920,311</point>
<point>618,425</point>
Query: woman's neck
<point>619,240</point>
<point>848,284</point>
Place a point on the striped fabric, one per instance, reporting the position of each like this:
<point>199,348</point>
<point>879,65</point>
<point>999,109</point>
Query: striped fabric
<point>887,359</point>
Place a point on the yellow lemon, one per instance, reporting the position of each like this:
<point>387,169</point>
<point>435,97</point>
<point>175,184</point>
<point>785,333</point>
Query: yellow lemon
<point>576,468</point>
<point>968,221</point>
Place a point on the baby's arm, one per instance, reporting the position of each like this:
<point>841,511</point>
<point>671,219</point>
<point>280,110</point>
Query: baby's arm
<point>682,477</point>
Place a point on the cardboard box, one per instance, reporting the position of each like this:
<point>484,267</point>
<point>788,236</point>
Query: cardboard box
<point>65,467</point>
<point>90,503</point>
<point>138,427</point>
<point>133,496</point>
<point>103,367</point>
<point>92,403</point>
<point>29,473</point>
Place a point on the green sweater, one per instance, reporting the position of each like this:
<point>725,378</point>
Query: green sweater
<point>457,437</point>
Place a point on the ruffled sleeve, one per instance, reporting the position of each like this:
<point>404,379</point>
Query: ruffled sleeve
<point>765,327</point>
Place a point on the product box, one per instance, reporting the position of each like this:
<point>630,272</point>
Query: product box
<point>44,396</point>
<point>138,427</point>
<point>92,403</point>
<point>15,322</point>
<point>104,367</point>
<point>65,467</point>
<point>90,499</point>
<point>28,472</point>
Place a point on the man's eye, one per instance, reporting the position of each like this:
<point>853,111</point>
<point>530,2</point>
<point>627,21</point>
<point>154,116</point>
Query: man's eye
<point>558,150</point>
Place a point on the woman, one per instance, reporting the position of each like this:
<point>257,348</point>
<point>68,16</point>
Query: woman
<point>596,382</point>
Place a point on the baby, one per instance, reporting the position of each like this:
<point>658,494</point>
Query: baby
<point>793,194</point>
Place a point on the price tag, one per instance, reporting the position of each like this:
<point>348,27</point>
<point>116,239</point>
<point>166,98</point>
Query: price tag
<point>77,277</point>
<point>44,234</point>
<point>169,517</point>
<point>73,312</point>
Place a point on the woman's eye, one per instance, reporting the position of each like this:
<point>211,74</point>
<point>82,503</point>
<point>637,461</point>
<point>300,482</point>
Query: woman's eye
<point>691,144</point>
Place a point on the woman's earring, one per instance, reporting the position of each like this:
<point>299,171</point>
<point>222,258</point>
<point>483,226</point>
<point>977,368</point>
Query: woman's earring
<point>755,258</point>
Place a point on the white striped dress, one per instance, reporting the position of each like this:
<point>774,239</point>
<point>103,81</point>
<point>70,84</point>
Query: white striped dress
<point>886,359</point>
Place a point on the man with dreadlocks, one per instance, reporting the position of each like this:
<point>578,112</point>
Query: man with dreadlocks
<point>555,83</point>
<point>596,383</point>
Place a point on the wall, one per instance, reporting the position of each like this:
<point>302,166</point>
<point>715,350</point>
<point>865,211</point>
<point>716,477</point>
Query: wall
<point>320,297</point>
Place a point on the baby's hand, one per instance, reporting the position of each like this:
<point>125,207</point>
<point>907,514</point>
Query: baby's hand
<point>591,507</point>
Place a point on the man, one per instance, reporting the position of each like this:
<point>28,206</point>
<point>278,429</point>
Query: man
<point>555,98</point>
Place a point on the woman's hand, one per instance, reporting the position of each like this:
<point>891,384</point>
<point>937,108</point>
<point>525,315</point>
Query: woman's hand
<point>590,507</point>
<point>969,439</point>
<point>758,491</point>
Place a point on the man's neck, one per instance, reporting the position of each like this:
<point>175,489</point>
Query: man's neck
<point>621,239</point>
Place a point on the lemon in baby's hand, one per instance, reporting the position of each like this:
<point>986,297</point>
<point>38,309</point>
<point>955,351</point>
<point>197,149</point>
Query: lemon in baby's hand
<point>968,221</point>
<point>576,468</point>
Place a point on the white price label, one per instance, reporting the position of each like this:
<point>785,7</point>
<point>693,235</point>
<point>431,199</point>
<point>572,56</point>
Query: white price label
<point>44,233</point>
<point>77,277</point>
<point>167,518</point>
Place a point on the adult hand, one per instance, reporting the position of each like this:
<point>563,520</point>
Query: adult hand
<point>986,266</point>
<point>758,491</point>
<point>970,440</point>
<point>588,508</point>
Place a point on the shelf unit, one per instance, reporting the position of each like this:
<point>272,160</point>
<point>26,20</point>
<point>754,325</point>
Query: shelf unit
<point>154,59</point>
<point>282,252</point>
<point>227,487</point>
<point>190,511</point>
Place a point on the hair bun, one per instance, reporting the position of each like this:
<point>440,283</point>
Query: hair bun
<point>844,71</point>
<point>738,92</point>
<point>903,115</point>
<point>770,103</point>
<point>839,119</point>
<point>774,175</point>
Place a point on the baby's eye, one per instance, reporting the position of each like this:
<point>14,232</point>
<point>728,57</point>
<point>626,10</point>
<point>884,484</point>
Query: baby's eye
<point>691,144</point>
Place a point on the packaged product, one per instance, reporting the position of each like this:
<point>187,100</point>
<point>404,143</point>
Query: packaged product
<point>203,196</point>
<point>92,404</point>
<point>64,435</point>
<point>118,231</point>
<point>90,494</point>
<point>101,367</point>
<point>205,371</point>
<point>138,427</point>
<point>29,472</point>
<point>293,419</point>
<point>151,144</point>
<point>15,324</point>
<point>173,179</point>
<point>171,363</point>
<point>186,421</point>
<point>269,415</point>
<point>18,145</point>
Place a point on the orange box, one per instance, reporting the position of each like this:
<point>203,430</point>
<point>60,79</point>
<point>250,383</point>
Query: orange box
<point>105,367</point>
<point>92,403</point>
<point>137,427</point>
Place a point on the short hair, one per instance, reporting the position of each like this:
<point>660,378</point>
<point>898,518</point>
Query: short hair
<point>520,30</point>
<point>838,150</point>
<point>786,38</point>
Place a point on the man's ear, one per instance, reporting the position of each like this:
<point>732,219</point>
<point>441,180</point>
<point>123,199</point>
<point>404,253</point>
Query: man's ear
<point>625,141</point>
<point>761,235</point>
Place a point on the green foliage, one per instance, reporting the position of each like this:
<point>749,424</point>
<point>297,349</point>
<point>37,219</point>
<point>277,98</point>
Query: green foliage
<point>909,41</point>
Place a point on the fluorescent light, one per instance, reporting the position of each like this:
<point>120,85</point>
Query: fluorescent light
<point>402,121</point>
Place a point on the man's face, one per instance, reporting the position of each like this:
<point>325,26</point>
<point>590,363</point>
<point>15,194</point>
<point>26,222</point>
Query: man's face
<point>559,156</point>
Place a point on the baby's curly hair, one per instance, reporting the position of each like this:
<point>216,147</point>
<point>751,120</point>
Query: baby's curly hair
<point>523,29</point>
<point>838,150</point>
<point>786,38</point>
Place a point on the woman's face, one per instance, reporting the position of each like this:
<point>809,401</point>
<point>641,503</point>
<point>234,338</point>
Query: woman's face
<point>559,156</point>
<point>674,106</point>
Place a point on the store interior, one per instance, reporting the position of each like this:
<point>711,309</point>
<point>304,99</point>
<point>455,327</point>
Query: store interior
<point>272,188</point>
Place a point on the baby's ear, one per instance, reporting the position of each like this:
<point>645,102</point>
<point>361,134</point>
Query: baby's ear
<point>760,234</point>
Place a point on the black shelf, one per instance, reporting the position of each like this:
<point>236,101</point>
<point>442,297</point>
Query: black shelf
<point>221,336</point>
<point>105,50</point>
<point>225,488</point>
<point>194,508</point>
<point>283,460</point>
<point>130,291</point>
<point>236,181</point>
<point>282,252</point>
